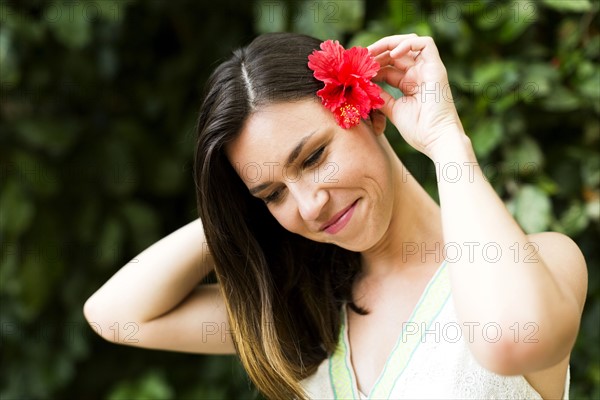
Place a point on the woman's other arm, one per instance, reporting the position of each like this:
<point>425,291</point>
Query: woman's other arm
<point>155,301</point>
<point>531,287</point>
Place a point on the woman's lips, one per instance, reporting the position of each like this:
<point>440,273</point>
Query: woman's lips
<point>340,220</point>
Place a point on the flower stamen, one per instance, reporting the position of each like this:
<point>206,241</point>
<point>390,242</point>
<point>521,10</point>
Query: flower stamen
<point>350,114</point>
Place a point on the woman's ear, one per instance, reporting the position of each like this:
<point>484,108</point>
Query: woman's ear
<point>378,120</point>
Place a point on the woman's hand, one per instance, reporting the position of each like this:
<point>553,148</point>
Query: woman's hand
<point>425,116</point>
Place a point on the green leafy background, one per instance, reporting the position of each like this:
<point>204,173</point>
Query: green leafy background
<point>98,102</point>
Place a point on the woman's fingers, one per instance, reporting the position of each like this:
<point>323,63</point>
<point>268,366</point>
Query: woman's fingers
<point>397,56</point>
<point>411,45</point>
<point>388,104</point>
<point>423,47</point>
<point>388,43</point>
<point>390,75</point>
<point>402,63</point>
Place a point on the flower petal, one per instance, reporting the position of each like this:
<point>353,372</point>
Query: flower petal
<point>332,96</point>
<point>326,62</point>
<point>360,62</point>
<point>374,93</point>
<point>358,98</point>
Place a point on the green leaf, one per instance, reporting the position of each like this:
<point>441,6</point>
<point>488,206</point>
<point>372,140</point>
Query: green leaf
<point>40,176</point>
<point>211,392</point>
<point>16,209</point>
<point>521,14</point>
<point>120,173</point>
<point>110,11</point>
<point>539,80</point>
<point>574,219</point>
<point>24,26</point>
<point>9,268</point>
<point>569,39</point>
<point>167,175</point>
<point>567,175</point>
<point>592,47</point>
<point>70,22</point>
<point>449,28</point>
<point>41,266</point>
<point>464,43</point>
<point>404,12</point>
<point>110,243</point>
<point>561,99</point>
<point>364,39</point>
<point>525,157</point>
<point>569,5</point>
<point>88,216</point>
<point>486,136</point>
<point>9,71</point>
<point>152,386</point>
<point>270,16</point>
<point>546,184</point>
<point>328,19</point>
<point>54,136</point>
<point>515,127</point>
<point>491,16</point>
<point>592,208</point>
<point>351,13</point>
<point>421,28</point>
<point>590,170</point>
<point>588,75</point>
<point>143,223</point>
<point>494,79</point>
<point>511,207</point>
<point>591,135</point>
<point>533,209</point>
<point>488,73</point>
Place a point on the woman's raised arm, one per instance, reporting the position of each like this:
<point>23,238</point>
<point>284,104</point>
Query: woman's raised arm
<point>155,300</point>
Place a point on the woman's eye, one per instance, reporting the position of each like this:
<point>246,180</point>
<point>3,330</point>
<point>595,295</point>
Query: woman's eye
<point>314,158</point>
<point>272,197</point>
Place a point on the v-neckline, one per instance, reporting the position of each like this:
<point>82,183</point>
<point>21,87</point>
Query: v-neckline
<point>381,375</point>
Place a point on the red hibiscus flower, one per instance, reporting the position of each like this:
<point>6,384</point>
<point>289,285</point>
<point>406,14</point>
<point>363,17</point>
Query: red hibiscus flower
<point>348,92</point>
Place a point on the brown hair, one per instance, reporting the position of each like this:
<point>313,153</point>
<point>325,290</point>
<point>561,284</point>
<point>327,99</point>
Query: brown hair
<point>283,292</point>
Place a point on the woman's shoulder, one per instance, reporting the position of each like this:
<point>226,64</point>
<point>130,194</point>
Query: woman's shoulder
<point>565,260</point>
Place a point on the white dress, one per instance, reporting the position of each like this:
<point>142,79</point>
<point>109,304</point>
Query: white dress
<point>430,360</point>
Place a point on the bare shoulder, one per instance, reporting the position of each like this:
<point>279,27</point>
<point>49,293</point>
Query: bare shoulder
<point>565,261</point>
<point>567,264</point>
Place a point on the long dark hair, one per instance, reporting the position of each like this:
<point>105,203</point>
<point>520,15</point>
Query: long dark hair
<point>283,292</point>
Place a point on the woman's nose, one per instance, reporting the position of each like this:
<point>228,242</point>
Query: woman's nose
<point>310,200</point>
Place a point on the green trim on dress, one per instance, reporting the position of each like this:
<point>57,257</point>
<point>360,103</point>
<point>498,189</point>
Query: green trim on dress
<point>341,374</point>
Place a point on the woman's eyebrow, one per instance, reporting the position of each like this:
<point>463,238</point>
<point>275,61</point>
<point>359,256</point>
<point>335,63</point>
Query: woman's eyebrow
<point>291,158</point>
<point>298,149</point>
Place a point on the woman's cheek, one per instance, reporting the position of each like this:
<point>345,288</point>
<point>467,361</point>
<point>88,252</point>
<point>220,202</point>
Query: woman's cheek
<point>345,170</point>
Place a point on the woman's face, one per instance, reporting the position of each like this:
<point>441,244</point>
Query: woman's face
<point>308,170</point>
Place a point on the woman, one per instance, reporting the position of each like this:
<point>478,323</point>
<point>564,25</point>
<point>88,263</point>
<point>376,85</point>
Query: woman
<point>339,276</point>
